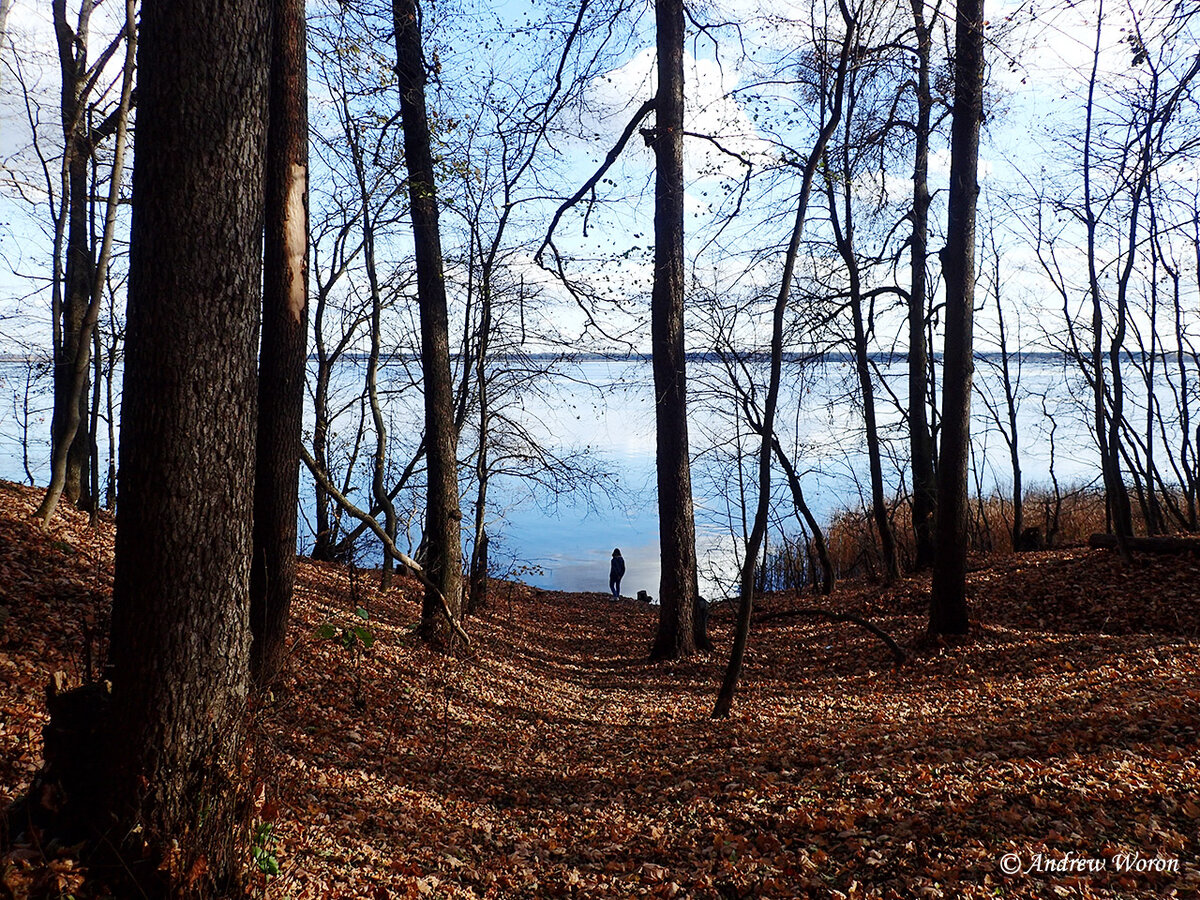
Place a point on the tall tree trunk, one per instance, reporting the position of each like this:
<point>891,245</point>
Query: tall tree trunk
<point>920,435</point>
<point>93,429</point>
<point>284,343</point>
<point>76,295</point>
<point>676,524</point>
<point>1013,436</point>
<point>73,344</point>
<point>1187,450</point>
<point>1009,432</point>
<point>323,542</point>
<point>379,492</point>
<point>948,601</point>
<point>479,545</point>
<point>78,271</point>
<point>110,420</point>
<point>180,627</point>
<point>1110,464</point>
<point>443,518</point>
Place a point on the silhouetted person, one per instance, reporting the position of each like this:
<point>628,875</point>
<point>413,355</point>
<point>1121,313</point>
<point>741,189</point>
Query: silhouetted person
<point>615,573</point>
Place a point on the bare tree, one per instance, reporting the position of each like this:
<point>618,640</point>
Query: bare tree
<point>948,601</point>
<point>281,370</point>
<point>358,180</point>
<point>829,123</point>
<point>1008,365</point>
<point>172,760</point>
<point>842,222</point>
<point>442,515</point>
<point>77,295</point>
<point>676,522</point>
<point>920,435</point>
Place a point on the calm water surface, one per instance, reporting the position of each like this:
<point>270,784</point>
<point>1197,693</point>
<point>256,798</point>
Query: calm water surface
<point>602,411</point>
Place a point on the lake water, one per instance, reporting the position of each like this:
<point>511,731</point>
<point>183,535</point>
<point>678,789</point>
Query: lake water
<point>599,413</point>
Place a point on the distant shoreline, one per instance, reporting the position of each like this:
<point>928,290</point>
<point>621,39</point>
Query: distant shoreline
<point>838,356</point>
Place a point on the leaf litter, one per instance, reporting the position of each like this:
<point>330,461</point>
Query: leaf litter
<point>554,760</point>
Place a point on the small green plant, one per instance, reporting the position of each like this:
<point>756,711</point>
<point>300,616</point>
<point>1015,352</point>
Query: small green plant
<point>355,638</point>
<point>262,849</point>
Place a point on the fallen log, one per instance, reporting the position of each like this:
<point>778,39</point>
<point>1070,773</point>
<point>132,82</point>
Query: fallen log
<point>368,520</point>
<point>1160,544</point>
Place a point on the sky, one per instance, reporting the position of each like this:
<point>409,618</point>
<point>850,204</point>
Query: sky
<point>1035,86</point>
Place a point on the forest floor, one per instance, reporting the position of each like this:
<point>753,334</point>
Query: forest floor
<point>1055,753</point>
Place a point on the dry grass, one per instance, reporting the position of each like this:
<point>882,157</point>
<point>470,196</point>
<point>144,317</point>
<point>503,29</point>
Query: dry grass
<point>1066,522</point>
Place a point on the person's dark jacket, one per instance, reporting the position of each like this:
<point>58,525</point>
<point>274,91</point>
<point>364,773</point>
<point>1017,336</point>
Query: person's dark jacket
<point>618,568</point>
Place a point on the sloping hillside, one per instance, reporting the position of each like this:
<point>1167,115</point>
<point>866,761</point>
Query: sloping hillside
<point>553,760</point>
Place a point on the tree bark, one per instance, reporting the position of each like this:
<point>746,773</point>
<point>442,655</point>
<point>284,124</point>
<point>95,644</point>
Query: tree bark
<point>920,436</point>
<point>180,628</point>
<point>443,517</point>
<point>948,602</point>
<point>70,450</point>
<point>676,523</point>
<point>281,367</point>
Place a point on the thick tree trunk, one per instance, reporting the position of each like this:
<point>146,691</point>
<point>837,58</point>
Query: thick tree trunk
<point>676,525</point>
<point>443,517</point>
<point>284,344</point>
<point>78,270</point>
<point>180,630</point>
<point>920,436</point>
<point>948,602</point>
